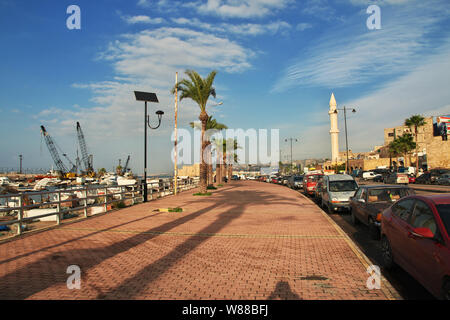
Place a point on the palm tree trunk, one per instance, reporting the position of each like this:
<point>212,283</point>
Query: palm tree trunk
<point>203,168</point>
<point>209,168</point>
<point>218,169</point>
<point>417,153</point>
<point>224,166</point>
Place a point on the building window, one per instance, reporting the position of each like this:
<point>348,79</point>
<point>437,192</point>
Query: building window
<point>390,134</point>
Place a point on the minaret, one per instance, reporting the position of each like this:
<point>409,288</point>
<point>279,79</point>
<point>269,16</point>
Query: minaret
<point>334,131</point>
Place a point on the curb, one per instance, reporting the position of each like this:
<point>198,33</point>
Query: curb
<point>386,287</point>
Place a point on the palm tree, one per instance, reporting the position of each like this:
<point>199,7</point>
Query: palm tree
<point>211,124</point>
<point>199,90</point>
<point>405,144</point>
<point>229,150</point>
<point>393,151</point>
<point>416,121</point>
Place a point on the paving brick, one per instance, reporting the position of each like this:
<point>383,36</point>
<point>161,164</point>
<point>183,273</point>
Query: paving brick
<point>249,240</point>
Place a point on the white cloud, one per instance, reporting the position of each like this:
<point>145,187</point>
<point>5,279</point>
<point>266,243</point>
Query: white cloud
<point>142,19</point>
<point>249,29</point>
<point>240,9</point>
<point>342,59</point>
<point>145,61</point>
<point>303,26</point>
<point>423,91</point>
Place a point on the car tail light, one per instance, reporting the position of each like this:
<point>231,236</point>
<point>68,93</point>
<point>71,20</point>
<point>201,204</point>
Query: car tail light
<point>379,217</point>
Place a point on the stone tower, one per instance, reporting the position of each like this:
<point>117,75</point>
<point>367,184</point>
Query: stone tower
<point>334,131</point>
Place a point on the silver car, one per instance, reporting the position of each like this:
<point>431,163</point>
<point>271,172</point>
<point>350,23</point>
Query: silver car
<point>336,191</point>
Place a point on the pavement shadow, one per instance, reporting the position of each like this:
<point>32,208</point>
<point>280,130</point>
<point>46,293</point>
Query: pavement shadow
<point>283,291</point>
<point>50,270</point>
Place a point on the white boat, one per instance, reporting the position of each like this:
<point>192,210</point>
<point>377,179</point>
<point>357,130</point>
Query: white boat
<point>4,181</point>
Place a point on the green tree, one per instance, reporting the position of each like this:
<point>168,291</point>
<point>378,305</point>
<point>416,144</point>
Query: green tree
<point>212,126</point>
<point>416,121</point>
<point>199,90</point>
<point>404,145</point>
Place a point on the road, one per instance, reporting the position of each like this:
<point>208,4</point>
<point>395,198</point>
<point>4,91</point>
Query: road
<point>406,285</point>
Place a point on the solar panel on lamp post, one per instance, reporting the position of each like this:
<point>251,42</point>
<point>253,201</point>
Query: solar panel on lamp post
<point>147,97</point>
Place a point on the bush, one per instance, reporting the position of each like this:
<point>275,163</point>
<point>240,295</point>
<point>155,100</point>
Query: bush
<point>211,187</point>
<point>202,194</point>
<point>177,209</point>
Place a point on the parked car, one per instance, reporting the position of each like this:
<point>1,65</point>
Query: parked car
<point>379,177</point>
<point>396,177</point>
<point>250,178</point>
<point>368,203</point>
<point>310,182</point>
<point>336,191</point>
<point>295,182</point>
<point>428,178</point>
<point>234,177</point>
<point>444,179</point>
<point>415,236</point>
<point>369,175</point>
<point>318,190</point>
<point>275,180</point>
<point>285,180</point>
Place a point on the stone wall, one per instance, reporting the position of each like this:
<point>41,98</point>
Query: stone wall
<point>190,171</point>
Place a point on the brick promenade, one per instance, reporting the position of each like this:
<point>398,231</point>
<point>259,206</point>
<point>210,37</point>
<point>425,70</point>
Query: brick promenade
<point>249,240</point>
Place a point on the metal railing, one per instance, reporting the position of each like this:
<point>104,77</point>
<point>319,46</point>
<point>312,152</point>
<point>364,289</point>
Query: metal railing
<point>62,202</point>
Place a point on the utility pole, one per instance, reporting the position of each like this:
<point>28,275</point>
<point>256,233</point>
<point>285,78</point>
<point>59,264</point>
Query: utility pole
<point>175,183</point>
<point>291,139</point>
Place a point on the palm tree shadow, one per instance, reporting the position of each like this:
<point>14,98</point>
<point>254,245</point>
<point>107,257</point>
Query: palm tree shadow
<point>50,270</point>
<point>283,291</point>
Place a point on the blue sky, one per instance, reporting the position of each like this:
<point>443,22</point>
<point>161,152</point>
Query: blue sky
<point>278,63</point>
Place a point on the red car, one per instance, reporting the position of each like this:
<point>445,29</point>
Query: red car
<point>415,235</point>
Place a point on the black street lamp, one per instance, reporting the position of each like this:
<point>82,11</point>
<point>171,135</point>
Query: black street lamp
<point>147,97</point>
<point>346,137</point>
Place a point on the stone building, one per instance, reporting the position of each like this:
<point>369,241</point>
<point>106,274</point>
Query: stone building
<point>432,149</point>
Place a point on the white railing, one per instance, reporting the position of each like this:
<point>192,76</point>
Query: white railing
<point>60,203</point>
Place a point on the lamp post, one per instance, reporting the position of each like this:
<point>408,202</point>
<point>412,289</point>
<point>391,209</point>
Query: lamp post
<point>346,136</point>
<point>147,97</point>
<point>291,139</point>
<point>20,160</point>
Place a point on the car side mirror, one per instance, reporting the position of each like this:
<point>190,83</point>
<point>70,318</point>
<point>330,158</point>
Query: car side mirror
<point>424,233</point>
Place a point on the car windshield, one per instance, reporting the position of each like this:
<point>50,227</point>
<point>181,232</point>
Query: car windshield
<point>340,186</point>
<point>298,178</point>
<point>444,212</point>
<point>313,178</point>
<point>387,194</point>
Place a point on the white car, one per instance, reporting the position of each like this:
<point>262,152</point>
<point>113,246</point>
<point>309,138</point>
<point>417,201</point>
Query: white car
<point>369,175</point>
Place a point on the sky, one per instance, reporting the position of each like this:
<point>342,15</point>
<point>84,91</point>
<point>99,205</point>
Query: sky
<point>278,62</point>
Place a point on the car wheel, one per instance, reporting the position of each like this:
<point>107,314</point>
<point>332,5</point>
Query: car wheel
<point>446,290</point>
<point>388,260</point>
<point>329,209</point>
<point>373,230</point>
<point>354,219</point>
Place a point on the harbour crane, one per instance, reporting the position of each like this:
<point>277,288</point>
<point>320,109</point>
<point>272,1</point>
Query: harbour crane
<point>125,168</point>
<point>84,153</point>
<point>53,152</point>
